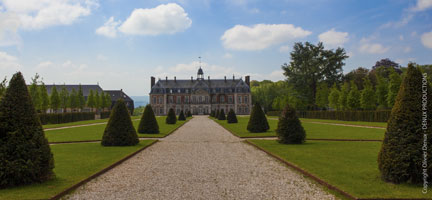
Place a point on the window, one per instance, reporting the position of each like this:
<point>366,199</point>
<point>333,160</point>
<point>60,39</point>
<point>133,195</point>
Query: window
<point>200,99</point>
<point>161,111</point>
<point>160,100</point>
<point>186,99</point>
<point>194,99</point>
<point>207,100</point>
<point>178,90</point>
<point>246,99</point>
<point>178,98</point>
<point>246,109</point>
<point>187,91</point>
<point>154,100</point>
<point>214,99</point>
<point>222,99</point>
<point>239,99</point>
<point>230,99</point>
<point>171,91</point>
<point>170,99</point>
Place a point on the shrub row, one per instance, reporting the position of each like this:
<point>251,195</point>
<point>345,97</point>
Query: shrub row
<point>105,114</point>
<point>366,116</point>
<point>58,118</point>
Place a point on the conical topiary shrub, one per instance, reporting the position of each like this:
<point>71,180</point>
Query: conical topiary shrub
<point>189,114</point>
<point>401,156</point>
<point>148,123</point>
<point>221,115</point>
<point>231,117</point>
<point>119,130</point>
<point>25,155</point>
<point>290,130</point>
<point>257,121</point>
<point>212,113</point>
<point>171,117</point>
<point>181,116</point>
<point>217,113</point>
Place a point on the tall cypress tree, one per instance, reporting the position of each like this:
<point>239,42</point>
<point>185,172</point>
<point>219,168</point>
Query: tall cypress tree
<point>353,99</point>
<point>102,101</point>
<point>2,88</point>
<point>367,99</point>
<point>381,92</point>
<point>120,130</point>
<point>148,123</point>
<point>257,122</point>
<point>25,154</point>
<point>343,97</point>
<point>73,99</point>
<point>394,84</point>
<point>322,94</point>
<point>81,102</point>
<point>97,101</point>
<point>107,101</point>
<point>221,115</point>
<point>91,100</point>
<point>334,97</point>
<point>401,156</point>
<point>45,99</point>
<point>231,117</point>
<point>182,116</point>
<point>64,98</point>
<point>54,99</point>
<point>34,92</point>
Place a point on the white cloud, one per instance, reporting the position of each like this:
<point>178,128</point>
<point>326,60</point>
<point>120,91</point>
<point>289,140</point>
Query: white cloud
<point>260,36</point>
<point>39,14</point>
<point>8,64</point>
<point>101,57</point>
<point>276,75</point>
<point>9,24</point>
<point>350,54</point>
<point>228,55</point>
<point>426,39</point>
<point>163,19</point>
<point>422,5</point>
<point>373,48</point>
<point>109,29</point>
<point>284,48</point>
<point>333,38</point>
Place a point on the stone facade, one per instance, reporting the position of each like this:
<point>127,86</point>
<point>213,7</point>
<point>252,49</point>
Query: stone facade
<point>200,95</point>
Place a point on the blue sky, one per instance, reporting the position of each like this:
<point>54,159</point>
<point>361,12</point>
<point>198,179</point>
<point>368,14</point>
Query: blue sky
<point>121,43</point>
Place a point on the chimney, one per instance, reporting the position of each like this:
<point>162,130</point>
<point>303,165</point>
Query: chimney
<point>247,80</point>
<point>152,82</point>
<point>225,78</point>
<point>166,78</point>
<point>192,78</point>
<point>175,79</point>
<point>233,77</point>
<point>208,78</point>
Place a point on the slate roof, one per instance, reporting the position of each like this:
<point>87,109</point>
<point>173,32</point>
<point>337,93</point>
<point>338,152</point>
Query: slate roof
<point>116,94</point>
<point>220,85</point>
<point>85,88</point>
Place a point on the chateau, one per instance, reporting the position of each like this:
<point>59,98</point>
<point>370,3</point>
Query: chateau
<point>201,95</point>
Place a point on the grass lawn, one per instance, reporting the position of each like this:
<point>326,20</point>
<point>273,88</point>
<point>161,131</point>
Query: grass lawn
<point>81,123</point>
<point>350,166</point>
<point>95,132</point>
<point>73,163</point>
<point>313,131</point>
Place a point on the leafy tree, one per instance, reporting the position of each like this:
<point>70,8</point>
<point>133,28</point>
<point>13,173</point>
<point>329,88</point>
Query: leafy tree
<point>357,75</point>
<point>73,99</point>
<point>107,101</point>
<point>290,130</point>
<point>148,123</point>
<point>64,98</point>
<point>102,100</point>
<point>171,117</point>
<point>258,121</point>
<point>55,99</point>
<point>311,64</point>
<point>25,153</point>
<point>333,97</point>
<point>381,92</point>
<point>81,102</point>
<point>322,95</point>
<point>221,115</point>
<point>181,116</point>
<point>2,87</point>
<point>91,100</point>
<point>45,99</point>
<point>34,92</point>
<point>395,82</point>
<point>97,101</point>
<point>401,155</point>
<point>385,67</point>
<point>231,117</point>
<point>353,99</point>
<point>343,96</point>
<point>368,98</point>
<point>120,130</point>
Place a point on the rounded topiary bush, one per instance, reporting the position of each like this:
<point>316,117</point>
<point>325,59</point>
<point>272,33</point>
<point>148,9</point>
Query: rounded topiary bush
<point>171,117</point>
<point>257,121</point>
<point>25,155</point>
<point>189,114</point>
<point>290,130</point>
<point>119,130</point>
<point>401,156</point>
<point>148,123</point>
<point>181,116</point>
<point>221,115</point>
<point>231,117</point>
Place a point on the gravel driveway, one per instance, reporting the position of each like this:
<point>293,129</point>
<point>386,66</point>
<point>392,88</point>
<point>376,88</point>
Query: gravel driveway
<point>201,160</point>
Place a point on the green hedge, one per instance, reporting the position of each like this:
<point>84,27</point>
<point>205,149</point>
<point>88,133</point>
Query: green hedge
<point>58,118</point>
<point>366,116</point>
<point>105,115</point>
